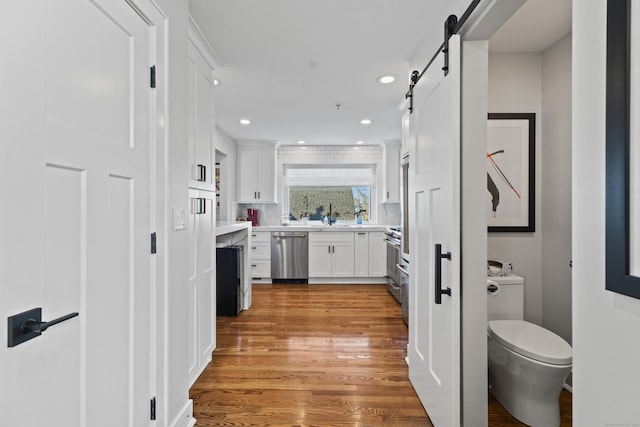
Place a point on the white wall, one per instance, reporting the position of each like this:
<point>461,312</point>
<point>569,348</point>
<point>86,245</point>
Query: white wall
<point>556,188</point>
<point>515,87</point>
<point>606,372</point>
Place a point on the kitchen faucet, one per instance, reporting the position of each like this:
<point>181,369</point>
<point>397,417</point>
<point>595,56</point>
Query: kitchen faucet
<point>331,220</point>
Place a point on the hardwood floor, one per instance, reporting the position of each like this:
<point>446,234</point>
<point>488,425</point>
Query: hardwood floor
<point>310,355</point>
<point>499,417</point>
<point>314,355</point>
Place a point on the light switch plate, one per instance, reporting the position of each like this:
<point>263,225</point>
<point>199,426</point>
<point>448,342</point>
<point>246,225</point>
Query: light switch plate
<point>179,219</point>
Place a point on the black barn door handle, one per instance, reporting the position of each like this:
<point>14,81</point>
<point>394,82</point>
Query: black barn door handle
<point>438,270</point>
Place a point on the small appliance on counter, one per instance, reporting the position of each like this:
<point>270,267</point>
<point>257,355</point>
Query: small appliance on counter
<point>253,215</point>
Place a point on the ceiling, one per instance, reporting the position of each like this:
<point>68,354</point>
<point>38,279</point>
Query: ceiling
<point>307,70</point>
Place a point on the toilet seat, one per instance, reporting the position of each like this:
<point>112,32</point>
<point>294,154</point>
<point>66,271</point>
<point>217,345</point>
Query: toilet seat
<point>531,341</point>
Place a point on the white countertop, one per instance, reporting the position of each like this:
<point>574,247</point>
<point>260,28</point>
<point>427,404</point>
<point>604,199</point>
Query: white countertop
<point>226,227</point>
<point>320,227</point>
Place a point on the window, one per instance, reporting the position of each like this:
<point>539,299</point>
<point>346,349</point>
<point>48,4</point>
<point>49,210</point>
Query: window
<point>314,202</point>
<point>310,191</point>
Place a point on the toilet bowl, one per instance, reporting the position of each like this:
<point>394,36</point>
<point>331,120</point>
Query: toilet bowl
<point>528,366</point>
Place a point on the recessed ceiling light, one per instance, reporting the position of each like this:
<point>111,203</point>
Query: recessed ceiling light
<point>385,80</point>
<point>359,142</point>
<point>302,142</point>
<point>216,82</point>
<point>365,121</point>
<point>245,122</point>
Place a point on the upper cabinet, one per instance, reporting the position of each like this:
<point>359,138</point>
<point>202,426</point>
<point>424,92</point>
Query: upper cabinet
<point>256,172</point>
<point>392,173</point>
<point>201,63</point>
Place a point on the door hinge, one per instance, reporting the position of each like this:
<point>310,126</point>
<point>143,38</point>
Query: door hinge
<point>153,242</point>
<point>153,76</point>
<point>153,409</point>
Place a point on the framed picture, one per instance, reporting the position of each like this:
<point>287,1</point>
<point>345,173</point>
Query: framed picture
<point>623,149</point>
<point>511,172</point>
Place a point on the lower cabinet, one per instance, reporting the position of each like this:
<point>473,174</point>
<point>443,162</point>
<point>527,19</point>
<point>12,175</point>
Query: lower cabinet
<point>261,255</point>
<point>377,254</point>
<point>202,290</point>
<point>331,254</point>
<point>361,255</point>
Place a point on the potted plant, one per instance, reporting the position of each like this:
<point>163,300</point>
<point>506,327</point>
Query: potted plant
<point>304,216</point>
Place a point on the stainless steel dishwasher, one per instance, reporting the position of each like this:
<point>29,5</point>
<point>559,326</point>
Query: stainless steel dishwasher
<point>289,257</point>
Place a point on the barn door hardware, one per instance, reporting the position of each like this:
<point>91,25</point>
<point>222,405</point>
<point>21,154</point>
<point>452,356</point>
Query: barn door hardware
<point>449,30</point>
<point>451,26</point>
<point>439,256</point>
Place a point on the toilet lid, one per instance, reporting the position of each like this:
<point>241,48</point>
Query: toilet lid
<point>531,341</point>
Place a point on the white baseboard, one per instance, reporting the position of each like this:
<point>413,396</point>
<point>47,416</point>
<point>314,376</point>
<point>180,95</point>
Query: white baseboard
<point>347,280</point>
<point>185,417</point>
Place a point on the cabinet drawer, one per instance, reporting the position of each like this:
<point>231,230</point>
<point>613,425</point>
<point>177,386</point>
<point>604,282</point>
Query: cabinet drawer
<point>260,236</point>
<point>261,268</point>
<point>260,250</point>
<point>331,236</point>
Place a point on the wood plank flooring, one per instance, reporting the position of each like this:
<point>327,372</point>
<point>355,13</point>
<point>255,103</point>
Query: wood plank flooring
<point>313,355</point>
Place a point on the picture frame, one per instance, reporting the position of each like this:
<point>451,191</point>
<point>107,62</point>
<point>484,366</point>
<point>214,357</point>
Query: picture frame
<point>511,143</point>
<point>622,210</point>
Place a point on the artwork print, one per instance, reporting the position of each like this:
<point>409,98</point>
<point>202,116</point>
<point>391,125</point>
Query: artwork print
<point>510,166</point>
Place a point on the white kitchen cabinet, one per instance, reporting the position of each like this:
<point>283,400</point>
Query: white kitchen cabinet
<point>331,254</point>
<point>392,173</point>
<point>201,285</point>
<point>377,254</point>
<point>256,173</point>
<point>201,117</point>
<point>361,254</point>
<point>260,255</point>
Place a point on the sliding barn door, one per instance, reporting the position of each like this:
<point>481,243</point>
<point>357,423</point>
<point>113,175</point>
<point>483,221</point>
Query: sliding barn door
<point>434,206</point>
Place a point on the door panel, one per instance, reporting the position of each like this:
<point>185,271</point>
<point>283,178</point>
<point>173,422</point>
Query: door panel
<point>434,329</point>
<point>83,135</point>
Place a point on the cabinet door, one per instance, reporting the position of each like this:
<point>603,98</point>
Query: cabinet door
<point>392,174</point>
<point>205,247</point>
<point>201,122</point>
<point>343,254</point>
<point>247,176</point>
<point>266,176</point>
<point>201,310</point>
<point>377,254</point>
<point>319,258</point>
<point>361,254</point>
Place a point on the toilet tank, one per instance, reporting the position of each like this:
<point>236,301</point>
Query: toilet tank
<point>507,303</point>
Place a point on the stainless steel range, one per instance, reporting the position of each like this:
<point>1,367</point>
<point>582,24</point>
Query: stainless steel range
<point>393,238</point>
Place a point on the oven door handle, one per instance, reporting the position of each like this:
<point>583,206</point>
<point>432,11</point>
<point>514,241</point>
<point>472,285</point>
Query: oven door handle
<point>391,283</point>
<point>402,267</point>
<point>392,243</point>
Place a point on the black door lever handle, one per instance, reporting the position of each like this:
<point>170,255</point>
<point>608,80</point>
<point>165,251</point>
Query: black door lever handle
<point>28,325</point>
<point>31,325</point>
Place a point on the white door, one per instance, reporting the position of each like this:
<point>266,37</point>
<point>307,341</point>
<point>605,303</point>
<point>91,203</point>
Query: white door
<point>76,188</point>
<point>434,328</point>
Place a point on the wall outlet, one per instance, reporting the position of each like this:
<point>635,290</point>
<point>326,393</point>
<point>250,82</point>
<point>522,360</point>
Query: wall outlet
<point>179,219</point>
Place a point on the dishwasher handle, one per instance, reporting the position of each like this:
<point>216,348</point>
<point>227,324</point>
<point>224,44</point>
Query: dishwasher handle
<point>286,235</point>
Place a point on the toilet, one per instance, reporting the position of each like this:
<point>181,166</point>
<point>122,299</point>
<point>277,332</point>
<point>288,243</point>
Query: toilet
<point>528,364</point>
